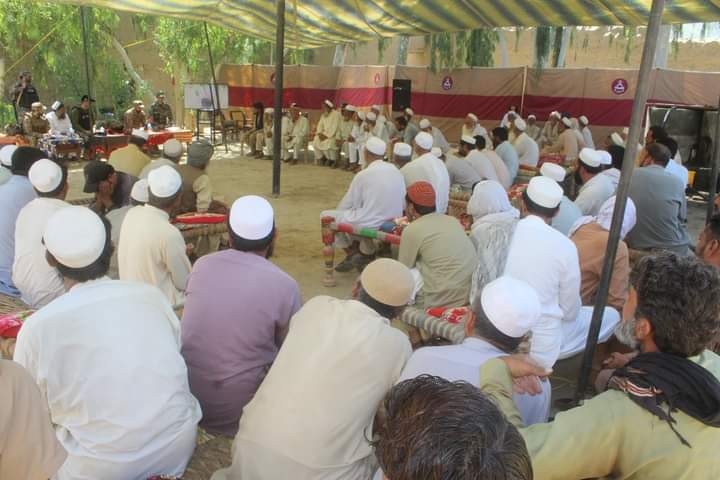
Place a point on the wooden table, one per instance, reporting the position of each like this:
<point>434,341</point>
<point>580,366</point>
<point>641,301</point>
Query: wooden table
<point>108,143</point>
<point>8,140</point>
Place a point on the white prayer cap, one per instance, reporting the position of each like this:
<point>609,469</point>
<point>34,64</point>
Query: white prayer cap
<point>409,111</point>
<point>531,116</point>
<point>350,108</point>
<point>424,140</point>
<point>164,182</point>
<point>329,103</point>
<point>375,146</point>
<point>468,139</point>
<point>375,107</point>
<point>616,139</point>
<point>520,124</point>
<point>140,191</point>
<point>553,170</point>
<point>437,151</point>
<point>472,117</point>
<point>173,148</point>
<point>269,110</point>
<point>511,305</point>
<point>75,236</point>
<point>402,149</point>
<point>361,115</point>
<point>605,157</point>
<point>555,113</point>
<point>388,281</point>
<point>140,133</point>
<point>590,157</point>
<point>56,105</point>
<point>370,117</point>
<point>584,120</point>
<point>6,155</point>
<point>251,217</point>
<point>567,122</point>
<point>544,192</point>
<point>45,175</point>
<point>626,130</point>
<point>425,123</point>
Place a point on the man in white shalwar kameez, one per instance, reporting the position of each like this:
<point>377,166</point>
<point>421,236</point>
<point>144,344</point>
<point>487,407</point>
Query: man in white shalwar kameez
<point>427,167</point>
<point>467,150</point>
<point>297,140</point>
<point>595,188</point>
<point>343,135</point>
<point>285,130</point>
<point>356,148</point>
<point>376,195</point>
<point>586,133</point>
<point>106,356</point>
<point>532,129</point>
<point>548,261</point>
<point>311,416</point>
<point>526,148</point>
<point>439,139</point>
<point>472,128</point>
<point>325,134</point>
<point>549,133</point>
<point>566,143</point>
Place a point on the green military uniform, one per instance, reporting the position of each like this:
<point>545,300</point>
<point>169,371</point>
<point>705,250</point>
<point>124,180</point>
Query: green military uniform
<point>35,127</point>
<point>160,116</point>
<point>611,436</point>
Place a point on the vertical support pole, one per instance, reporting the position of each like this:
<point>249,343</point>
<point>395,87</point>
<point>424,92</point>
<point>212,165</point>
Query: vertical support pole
<point>638,111</point>
<point>217,107</point>
<point>714,167</point>
<point>83,25</point>
<point>277,118</point>
<point>328,239</point>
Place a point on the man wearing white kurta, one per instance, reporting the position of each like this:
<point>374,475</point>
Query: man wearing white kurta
<point>506,151</point>
<point>310,418</point>
<point>549,133</point>
<point>480,163</point>
<point>507,306</point>
<point>138,196</point>
<point>343,135</point>
<point>359,135</point>
<point>297,140</point>
<point>151,249</point>
<point>526,148</point>
<point>38,282</point>
<point>325,133</point>
<point>532,129</point>
<point>586,133</point>
<point>439,139</point>
<point>568,212</point>
<point>472,128</point>
<point>60,123</point>
<point>285,130</point>
<point>548,261</point>
<point>427,167</point>
<point>501,170</point>
<point>596,188</point>
<point>566,143</point>
<point>376,195</point>
<point>106,356</point>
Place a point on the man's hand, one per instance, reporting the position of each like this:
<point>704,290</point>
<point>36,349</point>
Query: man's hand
<point>322,136</point>
<point>522,366</point>
<point>531,385</point>
<point>618,360</point>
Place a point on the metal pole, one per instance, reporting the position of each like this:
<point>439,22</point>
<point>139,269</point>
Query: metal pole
<point>715,166</point>
<point>216,104</point>
<point>641,95</point>
<point>277,118</point>
<point>85,49</point>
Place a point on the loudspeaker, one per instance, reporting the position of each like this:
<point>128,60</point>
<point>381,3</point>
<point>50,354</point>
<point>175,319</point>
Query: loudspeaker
<point>401,94</point>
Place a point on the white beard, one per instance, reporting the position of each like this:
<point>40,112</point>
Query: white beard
<point>625,333</point>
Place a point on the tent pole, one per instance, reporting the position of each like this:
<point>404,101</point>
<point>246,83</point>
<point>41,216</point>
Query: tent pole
<point>715,167</point>
<point>216,106</point>
<point>641,95</point>
<point>277,117</point>
<point>85,50</point>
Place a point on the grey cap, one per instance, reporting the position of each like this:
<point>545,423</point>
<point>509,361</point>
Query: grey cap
<point>199,153</point>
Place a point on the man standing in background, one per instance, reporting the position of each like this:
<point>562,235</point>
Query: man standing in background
<point>24,95</point>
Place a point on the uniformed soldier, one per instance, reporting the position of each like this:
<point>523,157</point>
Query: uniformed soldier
<point>161,115</point>
<point>135,117</point>
<point>24,95</point>
<point>83,122</point>
<point>35,125</point>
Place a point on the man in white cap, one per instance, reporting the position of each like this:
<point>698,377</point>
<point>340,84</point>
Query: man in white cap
<point>264,143</point>
<point>38,282</point>
<point>14,195</point>
<point>325,133</point>
<point>585,130</point>
<point>356,147</point>
<point>172,152</point>
<point>128,411</point>
<point>507,311</point>
<point>427,167</point>
<point>532,129</point>
<point>548,261</point>
<point>439,139</point>
<point>297,140</point>
<point>461,172</point>
<point>595,188</point>
<point>151,249</point>
<point>343,135</point>
<point>549,133</point>
<point>472,128</point>
<point>131,159</point>
<point>483,167</point>
<point>377,110</point>
<point>375,196</point>
<point>509,117</point>
<point>566,142</point>
<point>568,212</point>
<point>489,156</point>
<point>6,154</point>
<point>60,123</point>
<point>338,360</point>
<point>506,151</point>
<point>375,128</point>
<point>139,195</point>
<point>402,155</point>
<point>236,316</point>
<point>526,148</point>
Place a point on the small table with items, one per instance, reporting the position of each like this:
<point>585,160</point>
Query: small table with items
<point>106,143</point>
<point>58,146</point>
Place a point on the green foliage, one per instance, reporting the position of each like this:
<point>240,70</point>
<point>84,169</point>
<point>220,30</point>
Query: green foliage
<point>299,56</point>
<point>382,44</point>
<point>403,43</point>
<point>629,34</point>
<point>481,47</point>
<point>557,45</point>
<point>543,44</point>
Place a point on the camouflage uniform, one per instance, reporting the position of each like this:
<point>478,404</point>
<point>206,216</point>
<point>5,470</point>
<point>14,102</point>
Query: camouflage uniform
<point>160,116</point>
<point>35,128</point>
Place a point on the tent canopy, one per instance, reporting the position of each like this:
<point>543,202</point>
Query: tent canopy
<point>314,23</point>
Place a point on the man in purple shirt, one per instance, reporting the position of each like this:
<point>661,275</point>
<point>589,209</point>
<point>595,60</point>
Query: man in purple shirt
<point>236,316</point>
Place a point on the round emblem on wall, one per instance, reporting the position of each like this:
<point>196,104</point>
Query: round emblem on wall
<point>619,86</point>
<point>447,83</point>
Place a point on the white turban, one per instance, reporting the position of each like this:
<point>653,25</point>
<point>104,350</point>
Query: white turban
<point>402,149</point>
<point>604,217</point>
<point>425,123</point>
<point>424,140</point>
<point>489,197</point>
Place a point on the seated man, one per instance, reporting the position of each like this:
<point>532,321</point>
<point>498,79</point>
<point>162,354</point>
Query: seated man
<point>532,129</point>
<point>297,140</point>
<point>436,247</point>
<point>138,196</point>
<point>134,118</point>
<point>257,132</point>
<point>430,428</point>
<point>661,206</point>
<point>34,124</point>
<point>659,416</point>
<point>482,165</point>
<point>59,120</point>
<point>502,319</point>
<point>472,128</point>
<point>461,172</point>
<point>265,141</point>
<point>439,139</point>
<point>38,282</point>
<point>83,122</point>
<point>161,115</point>
<point>506,151</point>
<point>6,153</point>
<point>343,138</point>
<point>131,158</point>
<point>548,261</point>
<point>675,165</point>
<point>595,188</point>
<point>338,361</point>
<point>550,130</point>
<point>30,450</point>
<point>569,212</point>
<point>566,143</point>
<point>402,155</point>
<point>236,316</point>
<point>375,196</point>
<point>708,244</point>
<point>325,133</point>
<point>128,411</point>
<point>501,170</point>
<point>428,168</point>
<point>197,189</point>
<point>172,152</point>
<point>151,249</point>
<point>526,148</point>
<point>112,189</point>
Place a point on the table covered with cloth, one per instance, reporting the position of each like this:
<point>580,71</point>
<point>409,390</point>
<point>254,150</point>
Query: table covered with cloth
<point>56,146</point>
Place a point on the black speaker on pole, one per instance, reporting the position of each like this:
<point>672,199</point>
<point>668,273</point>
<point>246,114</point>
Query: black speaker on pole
<point>401,94</point>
